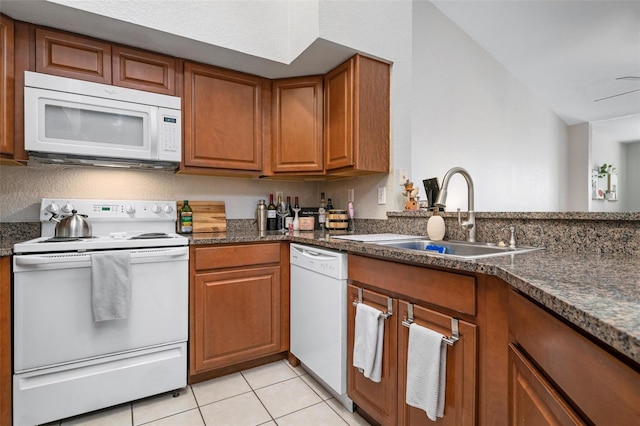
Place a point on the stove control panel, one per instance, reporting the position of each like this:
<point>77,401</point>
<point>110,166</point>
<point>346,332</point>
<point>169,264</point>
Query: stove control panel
<point>110,210</point>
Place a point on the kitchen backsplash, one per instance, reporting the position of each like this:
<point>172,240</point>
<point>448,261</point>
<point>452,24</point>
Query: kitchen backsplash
<point>610,233</point>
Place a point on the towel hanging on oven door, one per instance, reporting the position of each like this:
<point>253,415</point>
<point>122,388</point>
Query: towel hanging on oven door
<point>110,285</point>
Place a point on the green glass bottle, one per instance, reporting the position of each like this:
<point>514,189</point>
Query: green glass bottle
<point>186,218</point>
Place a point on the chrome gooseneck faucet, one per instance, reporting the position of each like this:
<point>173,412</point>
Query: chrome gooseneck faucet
<point>469,225</point>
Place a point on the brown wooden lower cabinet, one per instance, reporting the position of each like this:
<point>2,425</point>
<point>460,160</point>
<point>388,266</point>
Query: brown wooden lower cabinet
<point>379,400</point>
<point>533,400</point>
<point>560,376</point>
<point>461,391</point>
<point>385,402</point>
<point>238,306</point>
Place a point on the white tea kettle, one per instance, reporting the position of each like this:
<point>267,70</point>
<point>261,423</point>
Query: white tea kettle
<point>75,225</point>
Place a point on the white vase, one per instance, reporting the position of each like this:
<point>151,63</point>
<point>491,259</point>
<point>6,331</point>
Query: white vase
<point>436,228</point>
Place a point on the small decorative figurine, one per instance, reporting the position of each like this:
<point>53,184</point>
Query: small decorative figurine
<point>412,196</point>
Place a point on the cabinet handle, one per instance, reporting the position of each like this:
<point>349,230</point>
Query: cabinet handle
<point>389,304</point>
<point>455,333</point>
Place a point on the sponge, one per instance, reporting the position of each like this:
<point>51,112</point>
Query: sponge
<point>439,249</point>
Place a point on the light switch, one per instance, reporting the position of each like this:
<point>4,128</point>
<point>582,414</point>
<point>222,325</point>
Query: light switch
<point>382,195</point>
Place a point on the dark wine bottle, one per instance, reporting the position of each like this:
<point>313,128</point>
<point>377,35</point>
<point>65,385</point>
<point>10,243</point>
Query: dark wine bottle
<point>272,217</point>
<point>290,206</point>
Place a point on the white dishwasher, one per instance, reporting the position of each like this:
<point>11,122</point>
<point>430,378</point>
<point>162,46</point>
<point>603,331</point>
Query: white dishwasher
<point>319,316</point>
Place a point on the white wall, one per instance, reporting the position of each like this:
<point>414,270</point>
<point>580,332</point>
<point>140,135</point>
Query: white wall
<point>469,112</point>
<point>578,190</point>
<point>631,200</point>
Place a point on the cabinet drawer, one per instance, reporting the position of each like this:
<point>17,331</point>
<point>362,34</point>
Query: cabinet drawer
<point>605,389</point>
<point>451,291</point>
<point>233,256</point>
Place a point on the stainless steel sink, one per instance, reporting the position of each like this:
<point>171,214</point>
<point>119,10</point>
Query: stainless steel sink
<point>460,249</point>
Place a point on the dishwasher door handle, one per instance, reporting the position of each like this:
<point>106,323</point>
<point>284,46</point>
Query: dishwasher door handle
<point>314,254</point>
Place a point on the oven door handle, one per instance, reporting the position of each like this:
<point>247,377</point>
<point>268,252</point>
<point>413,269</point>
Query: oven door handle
<point>77,257</point>
<point>46,260</point>
<point>176,252</point>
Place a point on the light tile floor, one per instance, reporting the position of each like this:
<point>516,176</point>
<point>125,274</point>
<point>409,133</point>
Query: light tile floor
<point>272,394</point>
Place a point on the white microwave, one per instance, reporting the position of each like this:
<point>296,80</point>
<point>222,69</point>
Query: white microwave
<point>79,122</point>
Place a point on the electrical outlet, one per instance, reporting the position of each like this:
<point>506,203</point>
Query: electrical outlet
<point>350,195</point>
<point>382,195</point>
<point>279,194</point>
<point>402,176</point>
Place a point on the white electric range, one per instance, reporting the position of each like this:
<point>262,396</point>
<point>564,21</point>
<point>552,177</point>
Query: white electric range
<point>67,362</point>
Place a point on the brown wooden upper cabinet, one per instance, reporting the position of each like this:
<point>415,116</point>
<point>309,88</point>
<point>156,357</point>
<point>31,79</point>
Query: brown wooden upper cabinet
<point>6,86</point>
<point>356,117</point>
<point>84,58</point>
<point>73,56</point>
<point>296,133</point>
<point>142,70</point>
<point>222,119</point>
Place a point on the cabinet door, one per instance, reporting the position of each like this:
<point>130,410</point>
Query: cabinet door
<point>532,400</point>
<point>297,125</point>
<point>6,85</point>
<point>569,359</point>
<point>138,69</point>
<point>338,116</point>
<point>356,117</point>
<point>236,317</point>
<point>222,118</point>
<point>73,56</point>
<point>461,387</point>
<point>379,400</point>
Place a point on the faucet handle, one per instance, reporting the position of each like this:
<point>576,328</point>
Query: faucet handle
<point>512,238</point>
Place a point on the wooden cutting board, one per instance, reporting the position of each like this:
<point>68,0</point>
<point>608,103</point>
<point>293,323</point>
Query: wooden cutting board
<point>208,216</point>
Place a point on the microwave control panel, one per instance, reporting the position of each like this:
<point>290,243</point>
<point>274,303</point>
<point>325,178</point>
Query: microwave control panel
<point>170,135</point>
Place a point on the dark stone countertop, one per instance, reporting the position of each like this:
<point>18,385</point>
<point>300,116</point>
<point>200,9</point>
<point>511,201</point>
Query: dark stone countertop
<point>598,293</point>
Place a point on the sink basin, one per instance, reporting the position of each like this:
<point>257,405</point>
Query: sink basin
<point>460,249</point>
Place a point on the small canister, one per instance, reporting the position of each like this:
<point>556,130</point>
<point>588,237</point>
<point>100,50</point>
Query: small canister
<point>261,216</point>
<point>337,219</point>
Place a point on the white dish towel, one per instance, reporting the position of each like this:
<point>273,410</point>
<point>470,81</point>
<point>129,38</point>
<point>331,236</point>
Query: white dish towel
<point>110,285</point>
<point>426,371</point>
<point>368,341</point>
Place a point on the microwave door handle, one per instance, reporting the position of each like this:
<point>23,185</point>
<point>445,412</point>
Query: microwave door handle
<point>154,137</point>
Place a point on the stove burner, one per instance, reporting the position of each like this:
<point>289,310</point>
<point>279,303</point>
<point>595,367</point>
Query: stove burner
<point>150,235</point>
<point>64,239</point>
